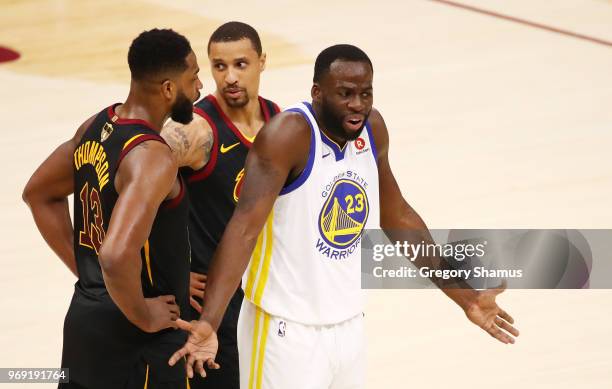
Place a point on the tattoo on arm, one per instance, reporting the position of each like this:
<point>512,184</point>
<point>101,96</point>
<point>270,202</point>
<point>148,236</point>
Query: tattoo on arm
<point>190,143</point>
<point>207,143</point>
<point>177,139</point>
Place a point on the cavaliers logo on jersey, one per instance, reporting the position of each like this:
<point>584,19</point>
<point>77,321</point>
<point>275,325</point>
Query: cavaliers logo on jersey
<point>344,214</point>
<point>239,180</point>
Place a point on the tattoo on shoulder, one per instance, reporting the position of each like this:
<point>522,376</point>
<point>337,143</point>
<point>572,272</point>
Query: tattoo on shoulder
<point>182,138</point>
<point>177,139</point>
<point>207,144</point>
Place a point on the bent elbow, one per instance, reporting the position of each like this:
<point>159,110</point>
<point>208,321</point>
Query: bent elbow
<point>27,194</point>
<point>109,258</point>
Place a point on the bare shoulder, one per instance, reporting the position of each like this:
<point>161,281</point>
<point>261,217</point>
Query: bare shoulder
<point>377,122</point>
<point>284,129</point>
<point>190,143</point>
<point>150,162</point>
<point>284,143</point>
<point>150,154</point>
<point>379,131</point>
<point>82,128</point>
<point>198,126</point>
<point>184,134</point>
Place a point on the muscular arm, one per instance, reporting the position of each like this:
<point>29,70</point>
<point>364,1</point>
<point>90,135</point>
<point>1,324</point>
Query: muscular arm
<point>46,193</point>
<point>401,223</point>
<point>399,220</point>
<point>190,143</point>
<point>144,179</point>
<point>280,151</point>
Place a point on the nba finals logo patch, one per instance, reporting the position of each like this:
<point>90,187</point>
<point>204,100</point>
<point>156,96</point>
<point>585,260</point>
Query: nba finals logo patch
<point>343,216</point>
<point>106,131</point>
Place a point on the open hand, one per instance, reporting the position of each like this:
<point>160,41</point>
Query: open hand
<point>201,347</point>
<point>486,314</point>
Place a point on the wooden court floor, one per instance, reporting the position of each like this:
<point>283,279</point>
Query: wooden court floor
<point>493,123</point>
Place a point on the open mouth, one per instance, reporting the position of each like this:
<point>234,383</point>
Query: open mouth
<point>354,123</point>
<point>234,93</point>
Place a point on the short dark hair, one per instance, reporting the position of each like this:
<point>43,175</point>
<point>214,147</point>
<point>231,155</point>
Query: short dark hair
<point>158,51</point>
<point>235,31</point>
<point>341,52</point>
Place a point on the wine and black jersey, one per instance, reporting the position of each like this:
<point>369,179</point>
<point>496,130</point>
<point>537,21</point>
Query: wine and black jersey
<point>215,188</point>
<point>101,347</point>
<point>214,191</point>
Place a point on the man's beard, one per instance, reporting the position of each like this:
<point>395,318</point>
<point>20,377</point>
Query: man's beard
<point>334,123</point>
<point>236,103</point>
<point>182,109</point>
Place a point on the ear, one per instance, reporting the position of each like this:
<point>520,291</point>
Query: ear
<point>262,62</point>
<point>315,92</point>
<point>169,89</point>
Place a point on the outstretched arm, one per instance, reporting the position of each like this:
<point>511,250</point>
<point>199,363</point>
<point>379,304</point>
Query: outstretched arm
<point>191,143</point>
<point>144,179</point>
<point>46,193</point>
<point>400,222</point>
<point>280,152</point>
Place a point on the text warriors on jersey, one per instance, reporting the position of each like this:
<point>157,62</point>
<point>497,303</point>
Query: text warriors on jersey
<point>344,212</point>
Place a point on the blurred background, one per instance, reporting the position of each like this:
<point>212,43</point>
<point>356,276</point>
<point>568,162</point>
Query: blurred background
<point>494,123</point>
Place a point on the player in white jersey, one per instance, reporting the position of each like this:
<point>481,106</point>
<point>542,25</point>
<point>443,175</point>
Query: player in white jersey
<point>316,177</point>
<point>306,263</point>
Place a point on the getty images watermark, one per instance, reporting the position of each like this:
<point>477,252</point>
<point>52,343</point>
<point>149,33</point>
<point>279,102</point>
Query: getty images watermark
<point>457,252</point>
<point>528,259</point>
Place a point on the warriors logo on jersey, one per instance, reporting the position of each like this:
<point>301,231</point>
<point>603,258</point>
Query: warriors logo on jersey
<point>343,215</point>
<point>313,234</point>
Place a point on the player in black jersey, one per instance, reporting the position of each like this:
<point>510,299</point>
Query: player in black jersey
<point>213,150</point>
<point>129,246</point>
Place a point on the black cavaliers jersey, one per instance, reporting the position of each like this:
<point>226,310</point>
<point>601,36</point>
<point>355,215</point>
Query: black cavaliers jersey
<point>215,188</point>
<point>100,345</point>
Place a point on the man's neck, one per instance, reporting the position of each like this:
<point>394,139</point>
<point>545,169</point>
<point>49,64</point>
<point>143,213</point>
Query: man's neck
<point>140,106</point>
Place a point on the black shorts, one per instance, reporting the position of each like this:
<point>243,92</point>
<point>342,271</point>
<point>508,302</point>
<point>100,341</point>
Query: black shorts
<point>143,376</point>
<point>227,377</point>
<point>102,349</point>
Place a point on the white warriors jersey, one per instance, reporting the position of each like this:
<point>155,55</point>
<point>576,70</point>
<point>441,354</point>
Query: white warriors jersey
<point>306,265</point>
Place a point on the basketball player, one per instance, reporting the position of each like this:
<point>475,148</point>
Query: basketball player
<point>316,177</point>
<point>214,147</point>
<point>129,246</point>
